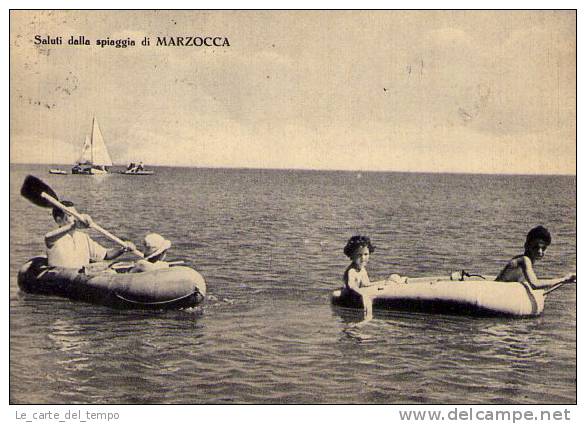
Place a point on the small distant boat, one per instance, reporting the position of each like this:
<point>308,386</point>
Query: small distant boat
<point>133,172</point>
<point>57,171</point>
<point>94,159</point>
<point>134,169</point>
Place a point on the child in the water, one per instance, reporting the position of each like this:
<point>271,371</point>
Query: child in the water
<point>358,249</point>
<point>520,268</point>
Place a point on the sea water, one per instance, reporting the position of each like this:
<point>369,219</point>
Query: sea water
<point>269,243</point>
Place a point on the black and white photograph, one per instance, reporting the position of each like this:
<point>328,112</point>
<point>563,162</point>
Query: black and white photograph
<point>293,207</point>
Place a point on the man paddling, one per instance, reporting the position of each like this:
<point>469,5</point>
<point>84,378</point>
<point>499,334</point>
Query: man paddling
<point>69,247</point>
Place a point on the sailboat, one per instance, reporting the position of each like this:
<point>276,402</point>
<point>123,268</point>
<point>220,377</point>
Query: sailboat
<point>94,159</point>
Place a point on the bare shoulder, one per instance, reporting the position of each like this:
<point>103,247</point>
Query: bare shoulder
<point>518,261</point>
<point>352,272</point>
<point>524,261</point>
<point>513,270</point>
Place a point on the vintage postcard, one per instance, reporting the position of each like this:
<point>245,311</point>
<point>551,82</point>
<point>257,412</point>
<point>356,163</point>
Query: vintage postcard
<point>293,207</point>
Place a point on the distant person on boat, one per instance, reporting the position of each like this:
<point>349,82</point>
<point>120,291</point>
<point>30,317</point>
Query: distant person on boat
<point>131,166</point>
<point>155,250</point>
<point>358,249</point>
<point>140,167</point>
<point>69,247</point>
<point>520,268</point>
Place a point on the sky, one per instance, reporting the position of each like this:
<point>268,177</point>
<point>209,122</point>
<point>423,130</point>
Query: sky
<point>420,91</point>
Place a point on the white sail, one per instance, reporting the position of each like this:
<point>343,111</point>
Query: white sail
<point>100,155</point>
<point>86,152</point>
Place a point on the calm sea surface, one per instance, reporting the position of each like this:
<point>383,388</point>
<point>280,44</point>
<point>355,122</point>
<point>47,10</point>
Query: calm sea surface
<point>269,244</point>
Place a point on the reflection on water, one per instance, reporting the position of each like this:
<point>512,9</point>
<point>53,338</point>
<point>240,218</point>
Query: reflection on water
<point>270,246</point>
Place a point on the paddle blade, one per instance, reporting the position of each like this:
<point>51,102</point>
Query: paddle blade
<point>33,188</point>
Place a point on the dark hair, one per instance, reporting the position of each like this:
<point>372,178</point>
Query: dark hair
<point>58,213</point>
<point>538,233</point>
<point>356,242</point>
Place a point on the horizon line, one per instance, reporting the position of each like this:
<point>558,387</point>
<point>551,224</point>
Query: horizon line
<point>321,170</point>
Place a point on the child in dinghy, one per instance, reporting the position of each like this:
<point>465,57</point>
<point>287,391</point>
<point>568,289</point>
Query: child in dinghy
<point>520,268</point>
<point>154,254</point>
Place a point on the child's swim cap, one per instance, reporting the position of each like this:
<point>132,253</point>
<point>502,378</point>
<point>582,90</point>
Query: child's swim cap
<point>538,233</point>
<point>355,242</point>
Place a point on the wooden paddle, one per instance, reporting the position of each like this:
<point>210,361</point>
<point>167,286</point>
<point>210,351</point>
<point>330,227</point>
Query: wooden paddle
<point>39,193</point>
